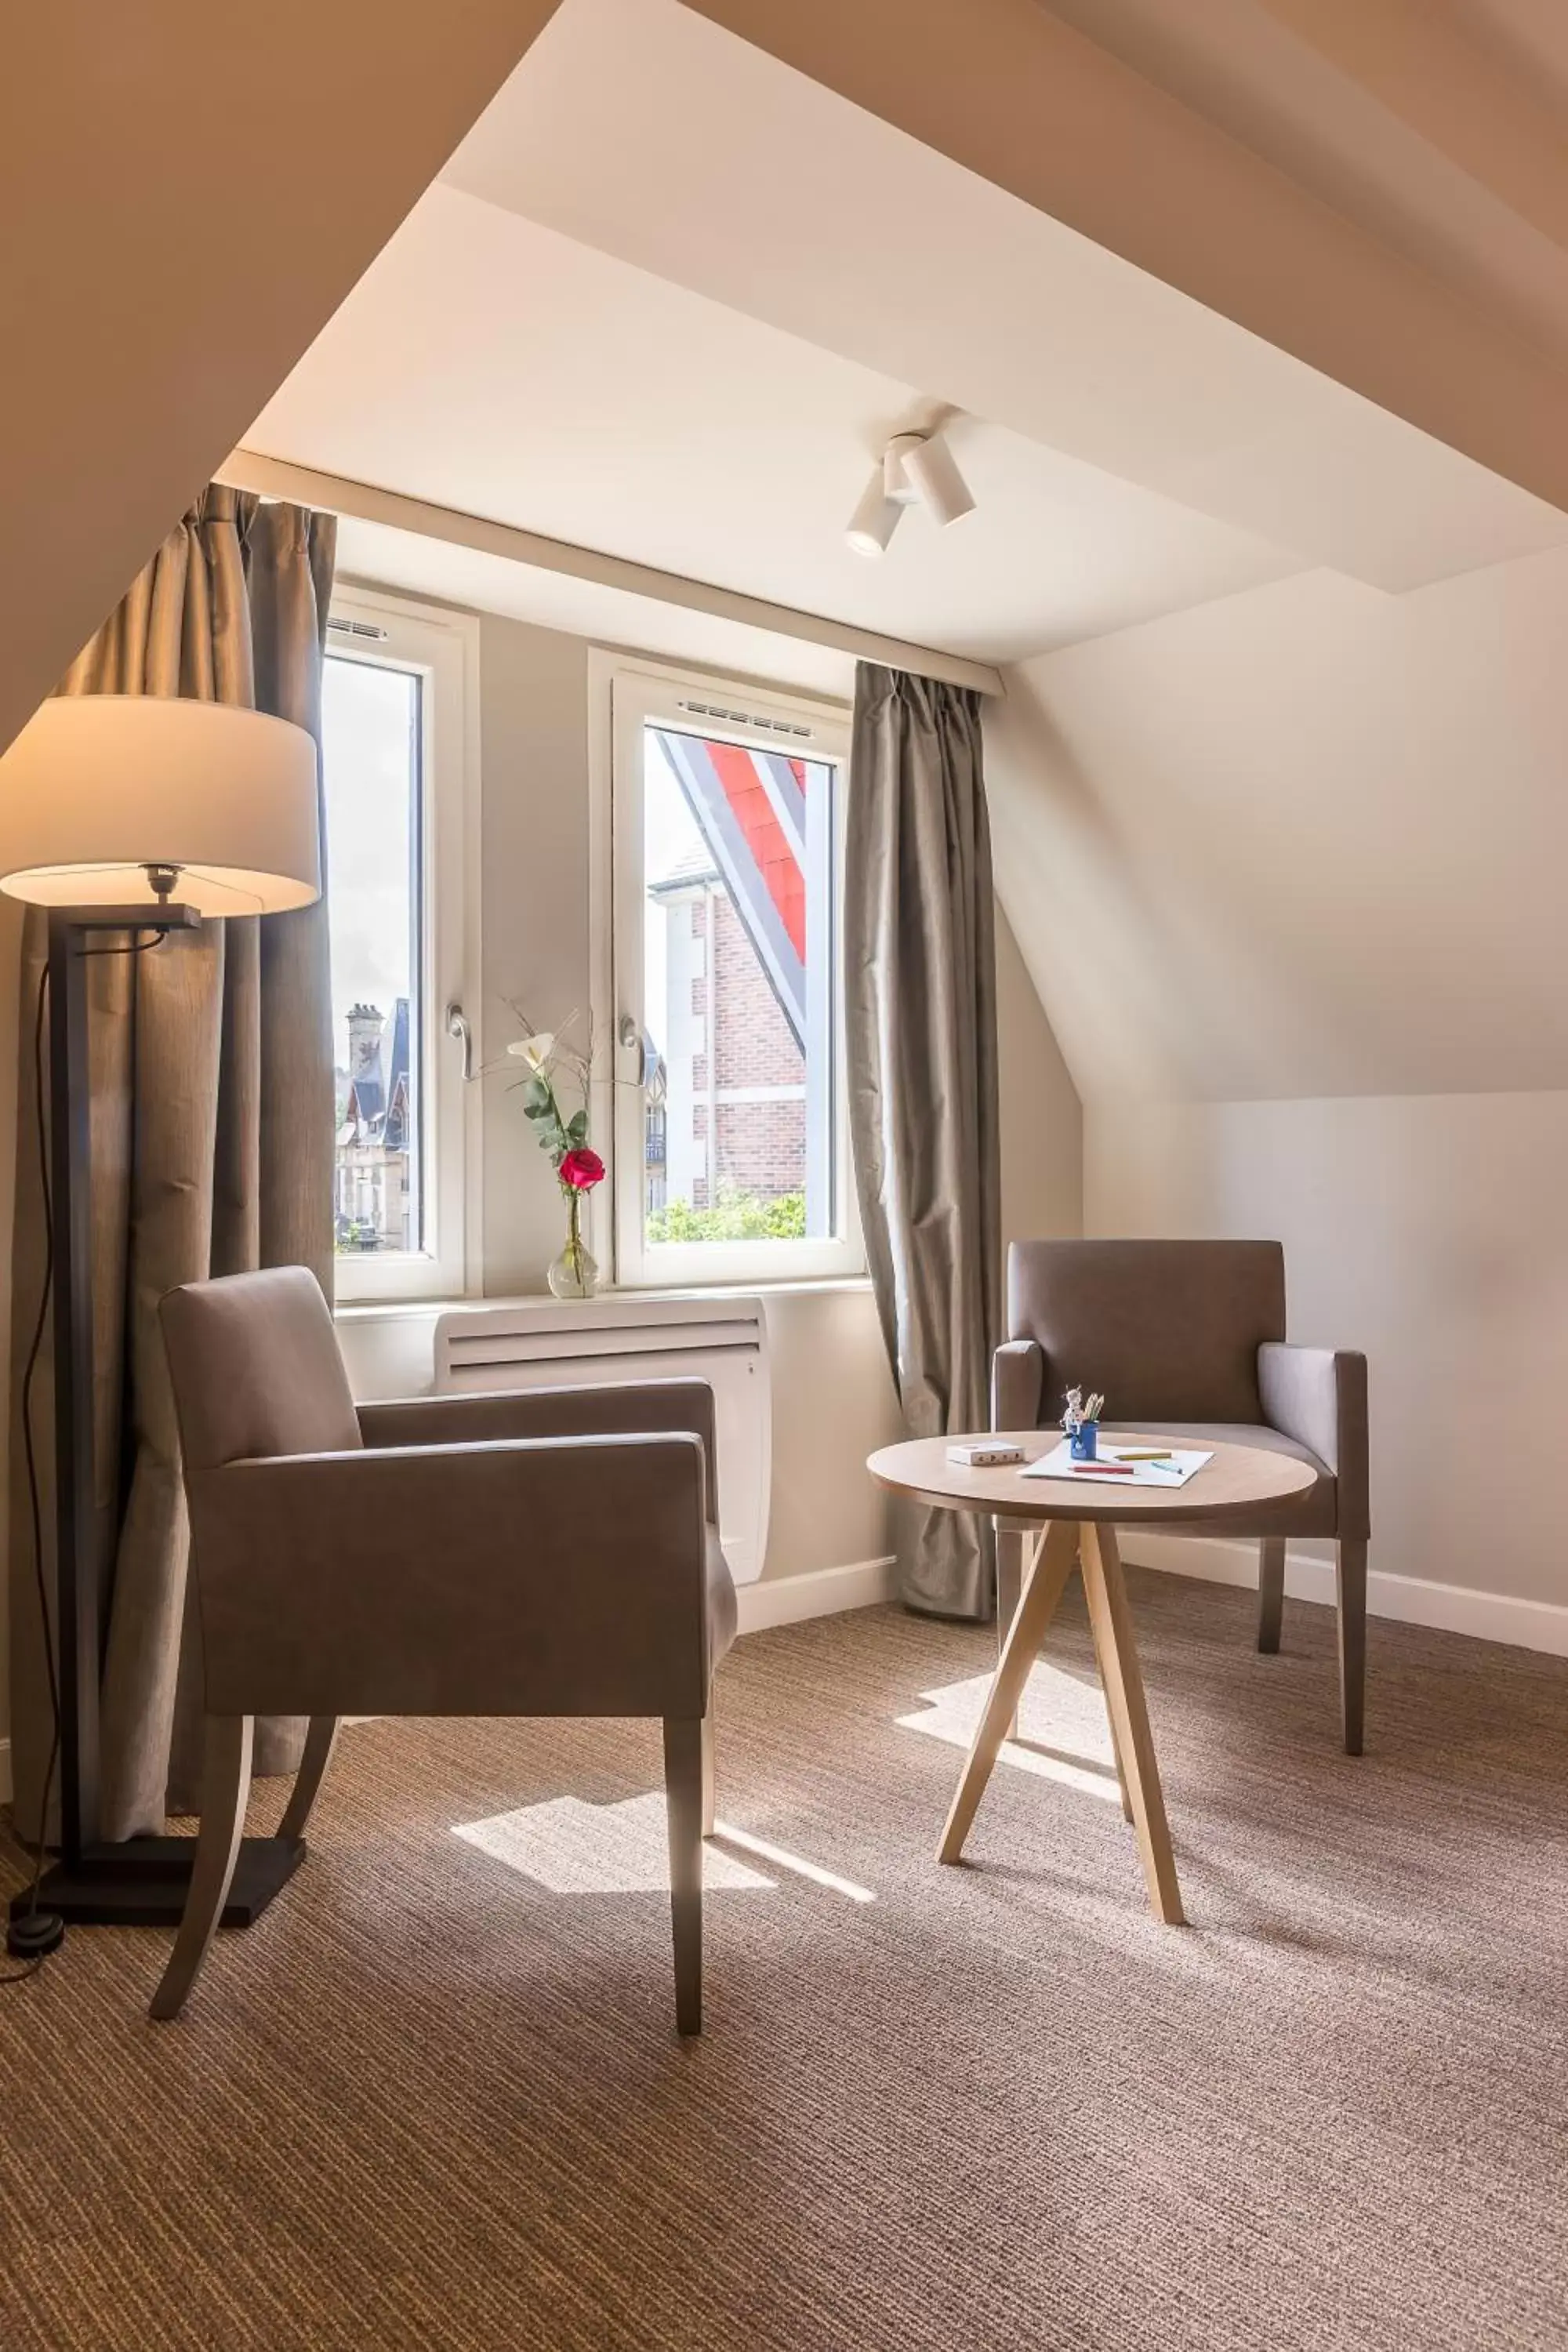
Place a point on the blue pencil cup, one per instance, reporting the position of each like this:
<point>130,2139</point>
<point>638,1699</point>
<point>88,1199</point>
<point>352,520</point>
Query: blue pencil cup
<point>1083,1440</point>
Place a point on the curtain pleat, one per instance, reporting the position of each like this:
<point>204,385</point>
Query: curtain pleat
<point>920,1017</point>
<point>211,1137</point>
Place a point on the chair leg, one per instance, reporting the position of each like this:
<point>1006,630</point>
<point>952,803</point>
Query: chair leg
<point>709,1798</point>
<point>1270,1592</point>
<point>321,1739</point>
<point>226,1785</point>
<point>683,1807</point>
<point>1350,1578</point>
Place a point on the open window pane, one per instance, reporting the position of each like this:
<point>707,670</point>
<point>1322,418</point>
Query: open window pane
<point>372,738</point>
<point>738,993</point>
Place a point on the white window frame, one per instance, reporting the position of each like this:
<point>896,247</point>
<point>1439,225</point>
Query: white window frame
<point>444,648</point>
<point>628,697</point>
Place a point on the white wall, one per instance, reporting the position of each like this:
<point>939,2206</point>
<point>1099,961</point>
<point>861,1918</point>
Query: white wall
<point>1288,871</point>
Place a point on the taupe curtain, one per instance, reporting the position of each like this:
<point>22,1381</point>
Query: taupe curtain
<point>212,1141</point>
<point>920,1005</point>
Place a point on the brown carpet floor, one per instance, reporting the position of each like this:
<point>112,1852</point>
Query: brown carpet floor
<point>432,2100</point>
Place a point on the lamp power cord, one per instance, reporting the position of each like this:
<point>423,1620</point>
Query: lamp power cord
<point>34,1931</point>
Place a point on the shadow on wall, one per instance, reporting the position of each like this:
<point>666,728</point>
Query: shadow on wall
<point>1072,884</point>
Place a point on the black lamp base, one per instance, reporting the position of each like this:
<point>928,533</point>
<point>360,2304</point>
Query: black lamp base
<point>33,1935</point>
<point>144,1883</point>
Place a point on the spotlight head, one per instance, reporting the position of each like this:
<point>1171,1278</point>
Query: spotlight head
<point>928,466</point>
<point>875,520</point>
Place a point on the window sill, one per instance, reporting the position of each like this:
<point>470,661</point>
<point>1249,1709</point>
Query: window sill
<point>389,1310</point>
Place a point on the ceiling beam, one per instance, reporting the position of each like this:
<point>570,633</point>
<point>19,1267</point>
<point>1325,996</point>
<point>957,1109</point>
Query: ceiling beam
<point>1424,65</point>
<point>275,477</point>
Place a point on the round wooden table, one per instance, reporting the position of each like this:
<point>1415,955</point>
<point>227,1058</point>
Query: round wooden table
<point>1077,1518</point>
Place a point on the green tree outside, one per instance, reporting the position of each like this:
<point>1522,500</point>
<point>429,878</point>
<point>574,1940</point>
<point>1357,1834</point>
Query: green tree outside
<point>733,1217</point>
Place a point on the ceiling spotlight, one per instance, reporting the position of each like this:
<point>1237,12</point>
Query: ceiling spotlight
<point>874,521</point>
<point>915,465</point>
<point>929,468</point>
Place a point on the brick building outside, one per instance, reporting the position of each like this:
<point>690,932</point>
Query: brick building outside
<point>734,1120</point>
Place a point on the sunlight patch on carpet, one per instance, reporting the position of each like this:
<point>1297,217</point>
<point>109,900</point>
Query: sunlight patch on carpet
<point>782,1859</point>
<point>573,1848</point>
<point>1065,1730</point>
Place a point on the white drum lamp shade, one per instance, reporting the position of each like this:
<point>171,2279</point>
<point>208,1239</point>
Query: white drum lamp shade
<point>98,788</point>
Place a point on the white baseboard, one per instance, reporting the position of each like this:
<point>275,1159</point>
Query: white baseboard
<point>787,1600</point>
<point>1412,1600</point>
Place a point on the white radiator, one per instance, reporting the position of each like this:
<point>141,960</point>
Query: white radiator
<point>537,1343</point>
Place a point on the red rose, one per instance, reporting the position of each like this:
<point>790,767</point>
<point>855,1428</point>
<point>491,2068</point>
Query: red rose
<point>581,1170</point>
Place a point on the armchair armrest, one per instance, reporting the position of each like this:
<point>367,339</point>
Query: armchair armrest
<point>633,1410</point>
<point>1017,1384</point>
<point>535,1576</point>
<point>1317,1396</point>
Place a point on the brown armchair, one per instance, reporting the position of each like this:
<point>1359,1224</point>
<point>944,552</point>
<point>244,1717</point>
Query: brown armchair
<point>548,1554</point>
<point>1187,1338</point>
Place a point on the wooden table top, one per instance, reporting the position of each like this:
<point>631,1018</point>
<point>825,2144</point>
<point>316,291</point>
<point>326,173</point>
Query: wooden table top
<point>1232,1485</point>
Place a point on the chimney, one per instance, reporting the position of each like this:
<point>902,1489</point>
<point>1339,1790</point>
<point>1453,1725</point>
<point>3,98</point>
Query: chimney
<point>366,1026</point>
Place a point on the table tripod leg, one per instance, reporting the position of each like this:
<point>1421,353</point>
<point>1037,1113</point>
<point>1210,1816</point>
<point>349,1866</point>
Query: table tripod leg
<point>1016,1549</point>
<point>1111,1620</point>
<point>1116,1751</point>
<point>1052,1565</point>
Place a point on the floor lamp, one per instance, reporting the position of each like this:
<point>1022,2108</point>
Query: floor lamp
<point>129,817</point>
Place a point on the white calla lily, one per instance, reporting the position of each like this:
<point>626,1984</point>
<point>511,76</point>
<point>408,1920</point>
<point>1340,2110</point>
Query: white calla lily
<point>536,1050</point>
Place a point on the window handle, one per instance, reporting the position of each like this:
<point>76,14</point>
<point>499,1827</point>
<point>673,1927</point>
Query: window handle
<point>632,1038</point>
<point>457,1027</point>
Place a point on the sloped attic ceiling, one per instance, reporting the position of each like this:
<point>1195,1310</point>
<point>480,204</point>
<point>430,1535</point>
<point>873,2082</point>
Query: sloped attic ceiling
<point>701,162</point>
<point>1308,841</point>
<point>200,187</point>
<point>188,191</point>
<point>1181,148</point>
<point>1241,845</point>
<point>671,297</point>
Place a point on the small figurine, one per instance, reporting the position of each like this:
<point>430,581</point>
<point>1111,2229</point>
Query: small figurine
<point>1081,1423</point>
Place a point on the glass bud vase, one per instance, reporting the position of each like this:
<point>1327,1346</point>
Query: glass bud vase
<point>575,1273</point>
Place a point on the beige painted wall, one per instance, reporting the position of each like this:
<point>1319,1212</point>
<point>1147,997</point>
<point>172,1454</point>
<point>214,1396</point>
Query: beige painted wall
<point>1427,1230</point>
<point>534,914</point>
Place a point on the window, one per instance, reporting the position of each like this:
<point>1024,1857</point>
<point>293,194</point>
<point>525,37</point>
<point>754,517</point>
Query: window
<point>731,1146</point>
<point>395,731</point>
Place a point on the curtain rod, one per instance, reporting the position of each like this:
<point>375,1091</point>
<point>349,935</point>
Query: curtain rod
<point>276,478</point>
